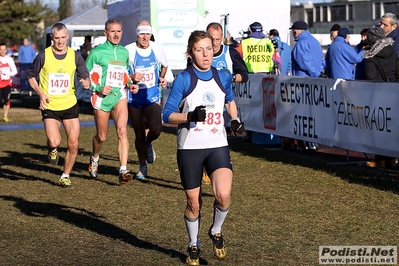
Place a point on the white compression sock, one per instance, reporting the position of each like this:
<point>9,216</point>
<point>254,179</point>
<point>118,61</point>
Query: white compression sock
<point>219,215</point>
<point>192,225</point>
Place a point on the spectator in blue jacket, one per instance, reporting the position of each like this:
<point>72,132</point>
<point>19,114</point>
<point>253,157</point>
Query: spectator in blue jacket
<point>26,53</point>
<point>343,57</point>
<point>389,22</point>
<point>333,33</point>
<point>307,56</point>
<point>284,51</point>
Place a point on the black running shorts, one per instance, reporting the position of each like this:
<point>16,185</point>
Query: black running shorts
<point>192,161</point>
<point>70,113</point>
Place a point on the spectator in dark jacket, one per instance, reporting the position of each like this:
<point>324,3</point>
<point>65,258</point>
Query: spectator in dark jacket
<point>381,63</point>
<point>389,22</point>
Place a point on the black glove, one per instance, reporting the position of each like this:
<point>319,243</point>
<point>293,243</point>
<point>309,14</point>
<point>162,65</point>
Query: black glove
<point>237,126</point>
<point>198,115</point>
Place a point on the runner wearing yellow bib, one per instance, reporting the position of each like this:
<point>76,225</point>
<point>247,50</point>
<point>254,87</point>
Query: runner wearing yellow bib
<point>56,68</point>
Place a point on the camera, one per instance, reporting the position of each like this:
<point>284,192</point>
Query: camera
<point>275,43</point>
<point>244,34</point>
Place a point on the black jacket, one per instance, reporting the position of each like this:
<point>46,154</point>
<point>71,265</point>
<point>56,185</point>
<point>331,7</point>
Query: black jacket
<point>383,53</point>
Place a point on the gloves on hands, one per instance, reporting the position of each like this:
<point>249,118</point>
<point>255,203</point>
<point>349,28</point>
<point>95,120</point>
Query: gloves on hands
<point>236,126</point>
<point>198,115</point>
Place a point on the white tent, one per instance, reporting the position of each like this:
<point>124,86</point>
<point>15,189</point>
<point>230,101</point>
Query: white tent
<point>129,13</point>
<point>90,21</point>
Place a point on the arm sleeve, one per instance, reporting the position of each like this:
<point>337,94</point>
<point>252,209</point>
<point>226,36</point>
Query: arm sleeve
<point>352,56</point>
<point>13,67</point>
<point>35,67</point>
<point>81,69</point>
<point>225,78</point>
<point>239,66</point>
<point>175,97</point>
<point>90,65</point>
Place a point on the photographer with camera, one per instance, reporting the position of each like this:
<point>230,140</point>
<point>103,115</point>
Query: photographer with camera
<point>258,51</point>
<point>283,50</point>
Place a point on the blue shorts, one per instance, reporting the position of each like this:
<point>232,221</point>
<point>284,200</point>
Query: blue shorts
<point>191,163</point>
<point>145,97</point>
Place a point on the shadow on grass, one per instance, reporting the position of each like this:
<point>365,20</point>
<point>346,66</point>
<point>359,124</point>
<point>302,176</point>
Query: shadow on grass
<point>87,220</point>
<point>39,162</point>
<point>33,161</point>
<point>12,175</point>
<point>383,179</point>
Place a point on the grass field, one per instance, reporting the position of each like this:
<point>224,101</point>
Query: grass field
<point>285,205</point>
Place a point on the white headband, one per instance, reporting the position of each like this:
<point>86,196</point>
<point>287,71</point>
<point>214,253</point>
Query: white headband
<point>143,29</point>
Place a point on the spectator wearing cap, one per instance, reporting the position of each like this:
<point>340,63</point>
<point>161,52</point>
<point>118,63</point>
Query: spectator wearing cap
<point>381,63</point>
<point>307,55</point>
<point>389,22</point>
<point>307,58</point>
<point>334,31</point>
<point>257,50</point>
<point>342,57</point>
<point>284,51</point>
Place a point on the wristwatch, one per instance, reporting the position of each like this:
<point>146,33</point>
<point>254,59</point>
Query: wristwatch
<point>233,78</point>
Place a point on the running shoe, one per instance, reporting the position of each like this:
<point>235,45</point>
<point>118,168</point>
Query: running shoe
<point>5,119</point>
<point>151,155</point>
<point>65,182</point>
<point>53,157</point>
<point>124,177</point>
<point>142,174</point>
<point>93,168</point>
<point>219,250</point>
<point>193,256</point>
